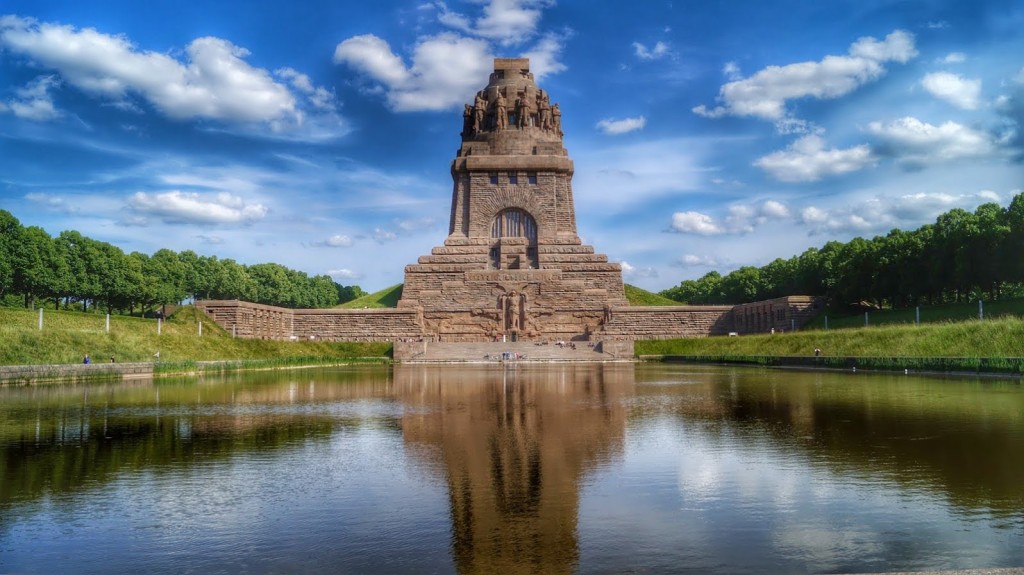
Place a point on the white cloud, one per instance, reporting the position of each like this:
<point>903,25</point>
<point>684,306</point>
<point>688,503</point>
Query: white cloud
<point>34,100</point>
<point>739,219</point>
<point>807,160</point>
<point>695,223</point>
<point>660,50</point>
<point>446,69</point>
<point>213,82</point>
<point>345,274</point>
<point>508,22</point>
<point>337,241</point>
<point>381,235</point>
<point>416,224</point>
<point>210,240</point>
<point>914,141</point>
<point>882,213</point>
<point>774,210</point>
<point>765,94</point>
<point>731,70</point>
<point>953,58</point>
<point>630,271</point>
<point>953,88</point>
<point>177,207</point>
<point>51,202</point>
<point>623,126</point>
<point>544,56</point>
<point>693,260</point>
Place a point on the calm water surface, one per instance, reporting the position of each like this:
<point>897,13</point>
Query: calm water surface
<point>531,469</point>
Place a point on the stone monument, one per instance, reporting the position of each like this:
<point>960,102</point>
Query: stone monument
<point>512,266</point>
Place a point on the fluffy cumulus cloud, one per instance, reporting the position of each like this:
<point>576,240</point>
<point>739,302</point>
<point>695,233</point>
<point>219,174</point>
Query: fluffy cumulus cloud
<point>879,214</point>
<point>445,69</point>
<point>506,22</point>
<point>953,88</point>
<point>739,219</point>
<point>212,82</point>
<point>808,160</point>
<point>915,142</point>
<point>623,126</point>
<point>765,94</point>
<point>176,207</point>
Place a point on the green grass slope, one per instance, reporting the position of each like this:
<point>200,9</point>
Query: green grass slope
<point>641,297</point>
<point>929,314</point>
<point>387,297</point>
<point>1000,337</point>
<point>67,336</point>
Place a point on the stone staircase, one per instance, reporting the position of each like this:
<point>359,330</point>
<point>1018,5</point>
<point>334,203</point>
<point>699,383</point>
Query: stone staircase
<point>493,352</point>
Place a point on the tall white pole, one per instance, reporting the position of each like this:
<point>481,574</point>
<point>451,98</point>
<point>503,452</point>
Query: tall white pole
<point>108,323</point>
<point>981,310</point>
<point>40,319</point>
<point>159,322</point>
<point>200,329</point>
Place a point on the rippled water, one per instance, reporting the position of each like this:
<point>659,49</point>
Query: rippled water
<point>532,469</point>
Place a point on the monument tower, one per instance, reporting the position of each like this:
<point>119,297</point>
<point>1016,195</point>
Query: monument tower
<point>512,265</point>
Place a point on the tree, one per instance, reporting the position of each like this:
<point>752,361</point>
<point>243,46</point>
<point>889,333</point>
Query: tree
<point>348,293</point>
<point>39,267</point>
<point>10,227</point>
<point>169,275</point>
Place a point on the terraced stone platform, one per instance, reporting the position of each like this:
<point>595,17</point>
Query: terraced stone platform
<point>510,352</point>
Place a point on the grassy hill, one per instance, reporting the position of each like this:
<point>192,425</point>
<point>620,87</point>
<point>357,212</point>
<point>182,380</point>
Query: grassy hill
<point>641,297</point>
<point>929,314</point>
<point>1000,337</point>
<point>387,297</point>
<point>67,336</point>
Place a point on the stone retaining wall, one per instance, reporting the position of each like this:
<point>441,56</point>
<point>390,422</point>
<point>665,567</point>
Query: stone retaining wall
<point>253,320</point>
<point>412,324</point>
<point>656,322</point>
<point>29,374</point>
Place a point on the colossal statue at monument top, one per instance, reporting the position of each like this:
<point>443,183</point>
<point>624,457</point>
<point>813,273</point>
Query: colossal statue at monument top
<point>513,264</point>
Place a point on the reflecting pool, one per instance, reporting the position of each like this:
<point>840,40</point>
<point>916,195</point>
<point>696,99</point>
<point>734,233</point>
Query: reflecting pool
<point>650,468</point>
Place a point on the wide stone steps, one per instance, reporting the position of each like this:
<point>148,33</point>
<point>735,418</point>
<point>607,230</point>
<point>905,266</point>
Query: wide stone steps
<point>494,352</point>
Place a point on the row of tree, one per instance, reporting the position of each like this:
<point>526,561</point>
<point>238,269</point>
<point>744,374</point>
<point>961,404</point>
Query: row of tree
<point>71,269</point>
<point>963,256</point>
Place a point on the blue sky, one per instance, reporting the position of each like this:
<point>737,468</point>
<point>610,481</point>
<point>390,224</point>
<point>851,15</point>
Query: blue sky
<point>319,134</point>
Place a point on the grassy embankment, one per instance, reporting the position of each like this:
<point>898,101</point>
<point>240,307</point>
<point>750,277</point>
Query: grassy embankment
<point>387,297</point>
<point>947,339</point>
<point>67,336</point>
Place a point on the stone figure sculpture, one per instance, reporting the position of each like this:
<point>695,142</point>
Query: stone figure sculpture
<point>479,109</point>
<point>500,112</point>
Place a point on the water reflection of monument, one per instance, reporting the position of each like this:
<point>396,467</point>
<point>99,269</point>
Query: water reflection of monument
<point>514,446</point>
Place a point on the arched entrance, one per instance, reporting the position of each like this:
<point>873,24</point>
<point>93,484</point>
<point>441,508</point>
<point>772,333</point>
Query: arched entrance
<point>514,223</point>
